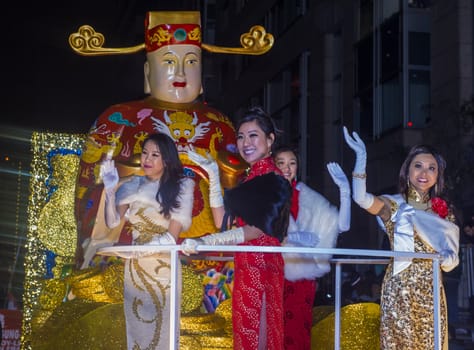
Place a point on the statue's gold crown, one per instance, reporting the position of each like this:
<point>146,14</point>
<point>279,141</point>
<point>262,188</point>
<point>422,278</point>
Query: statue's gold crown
<point>170,28</point>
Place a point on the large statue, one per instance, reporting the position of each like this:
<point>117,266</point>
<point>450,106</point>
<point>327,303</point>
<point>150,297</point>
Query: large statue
<point>173,80</point>
<point>67,308</point>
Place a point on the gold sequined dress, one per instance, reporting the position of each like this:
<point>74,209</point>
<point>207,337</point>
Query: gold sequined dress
<point>407,310</point>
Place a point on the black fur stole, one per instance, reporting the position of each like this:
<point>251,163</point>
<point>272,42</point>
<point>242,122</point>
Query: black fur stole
<point>264,202</point>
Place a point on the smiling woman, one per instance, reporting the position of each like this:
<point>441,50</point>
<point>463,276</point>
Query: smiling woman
<point>152,161</point>
<point>262,204</point>
<point>416,219</point>
<point>157,207</point>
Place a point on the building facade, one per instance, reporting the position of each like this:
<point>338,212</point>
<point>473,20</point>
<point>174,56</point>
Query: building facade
<point>399,72</point>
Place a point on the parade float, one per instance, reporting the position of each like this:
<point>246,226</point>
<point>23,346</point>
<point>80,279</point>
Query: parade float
<point>74,297</point>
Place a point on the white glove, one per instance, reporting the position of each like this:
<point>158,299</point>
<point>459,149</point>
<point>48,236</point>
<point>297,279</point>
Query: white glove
<point>158,240</point>
<point>210,166</point>
<point>110,178</point>
<point>189,245</point>
<point>229,237</point>
<point>340,179</point>
<point>163,239</point>
<point>360,195</point>
<point>449,260</point>
<point>356,143</point>
<point>109,174</point>
<point>302,239</point>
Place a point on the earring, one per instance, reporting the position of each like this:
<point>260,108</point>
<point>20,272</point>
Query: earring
<point>436,189</point>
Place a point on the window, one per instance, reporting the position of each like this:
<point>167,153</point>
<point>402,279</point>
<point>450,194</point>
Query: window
<point>283,14</point>
<point>419,98</point>
<point>392,72</point>
<point>283,93</point>
<point>366,15</point>
<point>420,4</point>
<point>364,64</point>
<point>286,99</point>
<point>392,103</point>
<point>389,8</point>
<point>390,42</point>
<point>419,48</point>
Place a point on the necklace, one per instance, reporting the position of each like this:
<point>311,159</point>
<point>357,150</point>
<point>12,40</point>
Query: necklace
<point>417,200</point>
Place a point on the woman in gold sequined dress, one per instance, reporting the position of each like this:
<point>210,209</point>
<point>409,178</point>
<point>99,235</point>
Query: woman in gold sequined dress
<point>157,207</point>
<point>417,220</point>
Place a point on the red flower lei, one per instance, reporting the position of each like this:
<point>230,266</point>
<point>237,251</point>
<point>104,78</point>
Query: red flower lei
<point>439,206</point>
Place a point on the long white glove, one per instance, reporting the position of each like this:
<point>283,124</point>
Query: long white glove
<point>109,175</point>
<point>360,195</point>
<point>340,179</point>
<point>229,237</point>
<point>110,178</point>
<point>210,166</point>
<point>163,239</point>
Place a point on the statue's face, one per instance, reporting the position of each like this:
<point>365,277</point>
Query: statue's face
<point>173,73</point>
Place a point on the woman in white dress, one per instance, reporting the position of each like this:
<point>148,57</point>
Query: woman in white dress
<point>156,207</point>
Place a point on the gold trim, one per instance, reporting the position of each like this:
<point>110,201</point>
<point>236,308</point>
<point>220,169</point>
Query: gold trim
<point>155,18</point>
<point>87,42</point>
<point>416,197</point>
<point>359,175</point>
<point>256,42</point>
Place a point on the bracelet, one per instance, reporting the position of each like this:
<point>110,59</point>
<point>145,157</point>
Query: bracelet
<point>359,175</point>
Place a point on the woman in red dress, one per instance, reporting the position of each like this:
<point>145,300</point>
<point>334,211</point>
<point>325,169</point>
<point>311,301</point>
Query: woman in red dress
<point>262,201</point>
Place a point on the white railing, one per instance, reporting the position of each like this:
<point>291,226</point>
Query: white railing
<point>131,251</point>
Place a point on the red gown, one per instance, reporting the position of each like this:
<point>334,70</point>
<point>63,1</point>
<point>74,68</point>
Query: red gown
<point>258,275</point>
<point>298,302</point>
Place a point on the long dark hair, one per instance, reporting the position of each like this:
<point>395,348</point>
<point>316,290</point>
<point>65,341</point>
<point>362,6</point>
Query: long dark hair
<point>435,191</point>
<point>169,190</point>
<point>264,121</point>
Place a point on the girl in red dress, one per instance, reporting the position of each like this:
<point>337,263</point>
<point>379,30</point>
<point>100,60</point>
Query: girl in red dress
<point>314,222</point>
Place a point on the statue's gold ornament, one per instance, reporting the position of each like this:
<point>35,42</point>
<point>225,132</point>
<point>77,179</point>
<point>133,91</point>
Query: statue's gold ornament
<point>87,42</point>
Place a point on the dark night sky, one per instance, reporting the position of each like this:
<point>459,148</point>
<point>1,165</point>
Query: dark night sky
<point>45,85</point>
